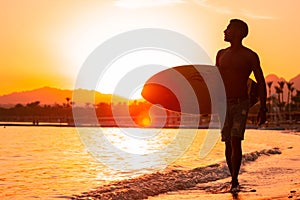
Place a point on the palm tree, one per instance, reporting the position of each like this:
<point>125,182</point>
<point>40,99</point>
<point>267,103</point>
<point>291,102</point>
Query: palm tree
<point>269,83</point>
<point>290,89</point>
<point>296,99</point>
<point>278,91</point>
<point>281,86</point>
<point>68,101</point>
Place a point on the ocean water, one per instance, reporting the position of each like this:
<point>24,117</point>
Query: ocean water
<point>56,162</point>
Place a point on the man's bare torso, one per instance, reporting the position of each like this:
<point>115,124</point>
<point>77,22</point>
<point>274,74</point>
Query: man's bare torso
<point>235,66</point>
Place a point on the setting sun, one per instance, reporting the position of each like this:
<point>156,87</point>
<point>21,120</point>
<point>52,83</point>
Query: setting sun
<point>144,120</point>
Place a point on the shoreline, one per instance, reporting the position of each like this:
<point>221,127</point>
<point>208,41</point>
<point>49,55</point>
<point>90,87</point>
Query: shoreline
<point>273,176</point>
<point>153,185</point>
<point>282,127</point>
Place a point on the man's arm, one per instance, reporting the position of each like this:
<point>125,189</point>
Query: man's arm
<point>218,57</point>
<point>262,91</point>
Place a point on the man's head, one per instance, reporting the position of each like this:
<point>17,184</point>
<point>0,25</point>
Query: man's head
<point>237,29</point>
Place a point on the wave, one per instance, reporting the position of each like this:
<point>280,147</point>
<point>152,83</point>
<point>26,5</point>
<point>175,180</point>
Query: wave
<point>162,182</point>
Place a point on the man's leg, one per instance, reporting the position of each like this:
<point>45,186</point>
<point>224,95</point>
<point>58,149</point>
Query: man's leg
<point>236,159</point>
<point>228,155</point>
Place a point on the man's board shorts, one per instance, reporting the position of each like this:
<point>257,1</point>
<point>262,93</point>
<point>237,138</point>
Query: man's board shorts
<point>236,118</point>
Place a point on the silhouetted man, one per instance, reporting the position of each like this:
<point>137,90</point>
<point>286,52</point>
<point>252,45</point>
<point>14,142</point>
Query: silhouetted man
<point>235,64</point>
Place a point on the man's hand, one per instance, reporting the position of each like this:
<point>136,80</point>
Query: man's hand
<point>262,117</point>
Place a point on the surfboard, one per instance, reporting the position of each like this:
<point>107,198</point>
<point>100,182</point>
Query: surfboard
<point>193,89</point>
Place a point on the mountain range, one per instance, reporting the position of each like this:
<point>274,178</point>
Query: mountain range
<point>50,96</point>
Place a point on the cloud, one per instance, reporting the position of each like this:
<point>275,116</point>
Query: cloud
<point>133,4</point>
<point>252,15</point>
<point>217,8</point>
<point>231,9</point>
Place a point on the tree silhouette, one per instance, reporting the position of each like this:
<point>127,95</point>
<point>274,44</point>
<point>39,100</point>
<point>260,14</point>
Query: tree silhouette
<point>281,86</point>
<point>296,99</point>
<point>33,104</point>
<point>278,91</point>
<point>269,83</point>
<point>68,101</point>
<point>290,89</point>
<point>269,86</point>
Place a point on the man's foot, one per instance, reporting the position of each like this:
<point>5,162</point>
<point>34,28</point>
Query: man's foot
<point>235,187</point>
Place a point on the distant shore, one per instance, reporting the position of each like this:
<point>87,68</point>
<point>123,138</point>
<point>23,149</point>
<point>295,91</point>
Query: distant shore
<point>283,126</point>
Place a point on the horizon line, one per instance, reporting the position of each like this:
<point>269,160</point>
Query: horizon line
<point>93,90</point>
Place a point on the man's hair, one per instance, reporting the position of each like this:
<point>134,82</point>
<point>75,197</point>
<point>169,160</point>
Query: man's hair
<point>240,25</point>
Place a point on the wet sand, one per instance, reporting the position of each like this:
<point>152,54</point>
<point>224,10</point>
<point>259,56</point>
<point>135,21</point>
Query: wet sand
<point>272,177</point>
<point>266,174</point>
<point>173,180</point>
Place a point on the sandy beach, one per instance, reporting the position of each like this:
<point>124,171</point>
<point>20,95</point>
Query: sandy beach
<point>272,173</point>
<point>271,177</point>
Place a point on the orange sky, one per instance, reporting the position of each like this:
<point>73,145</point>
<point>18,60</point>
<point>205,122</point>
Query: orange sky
<point>44,43</point>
